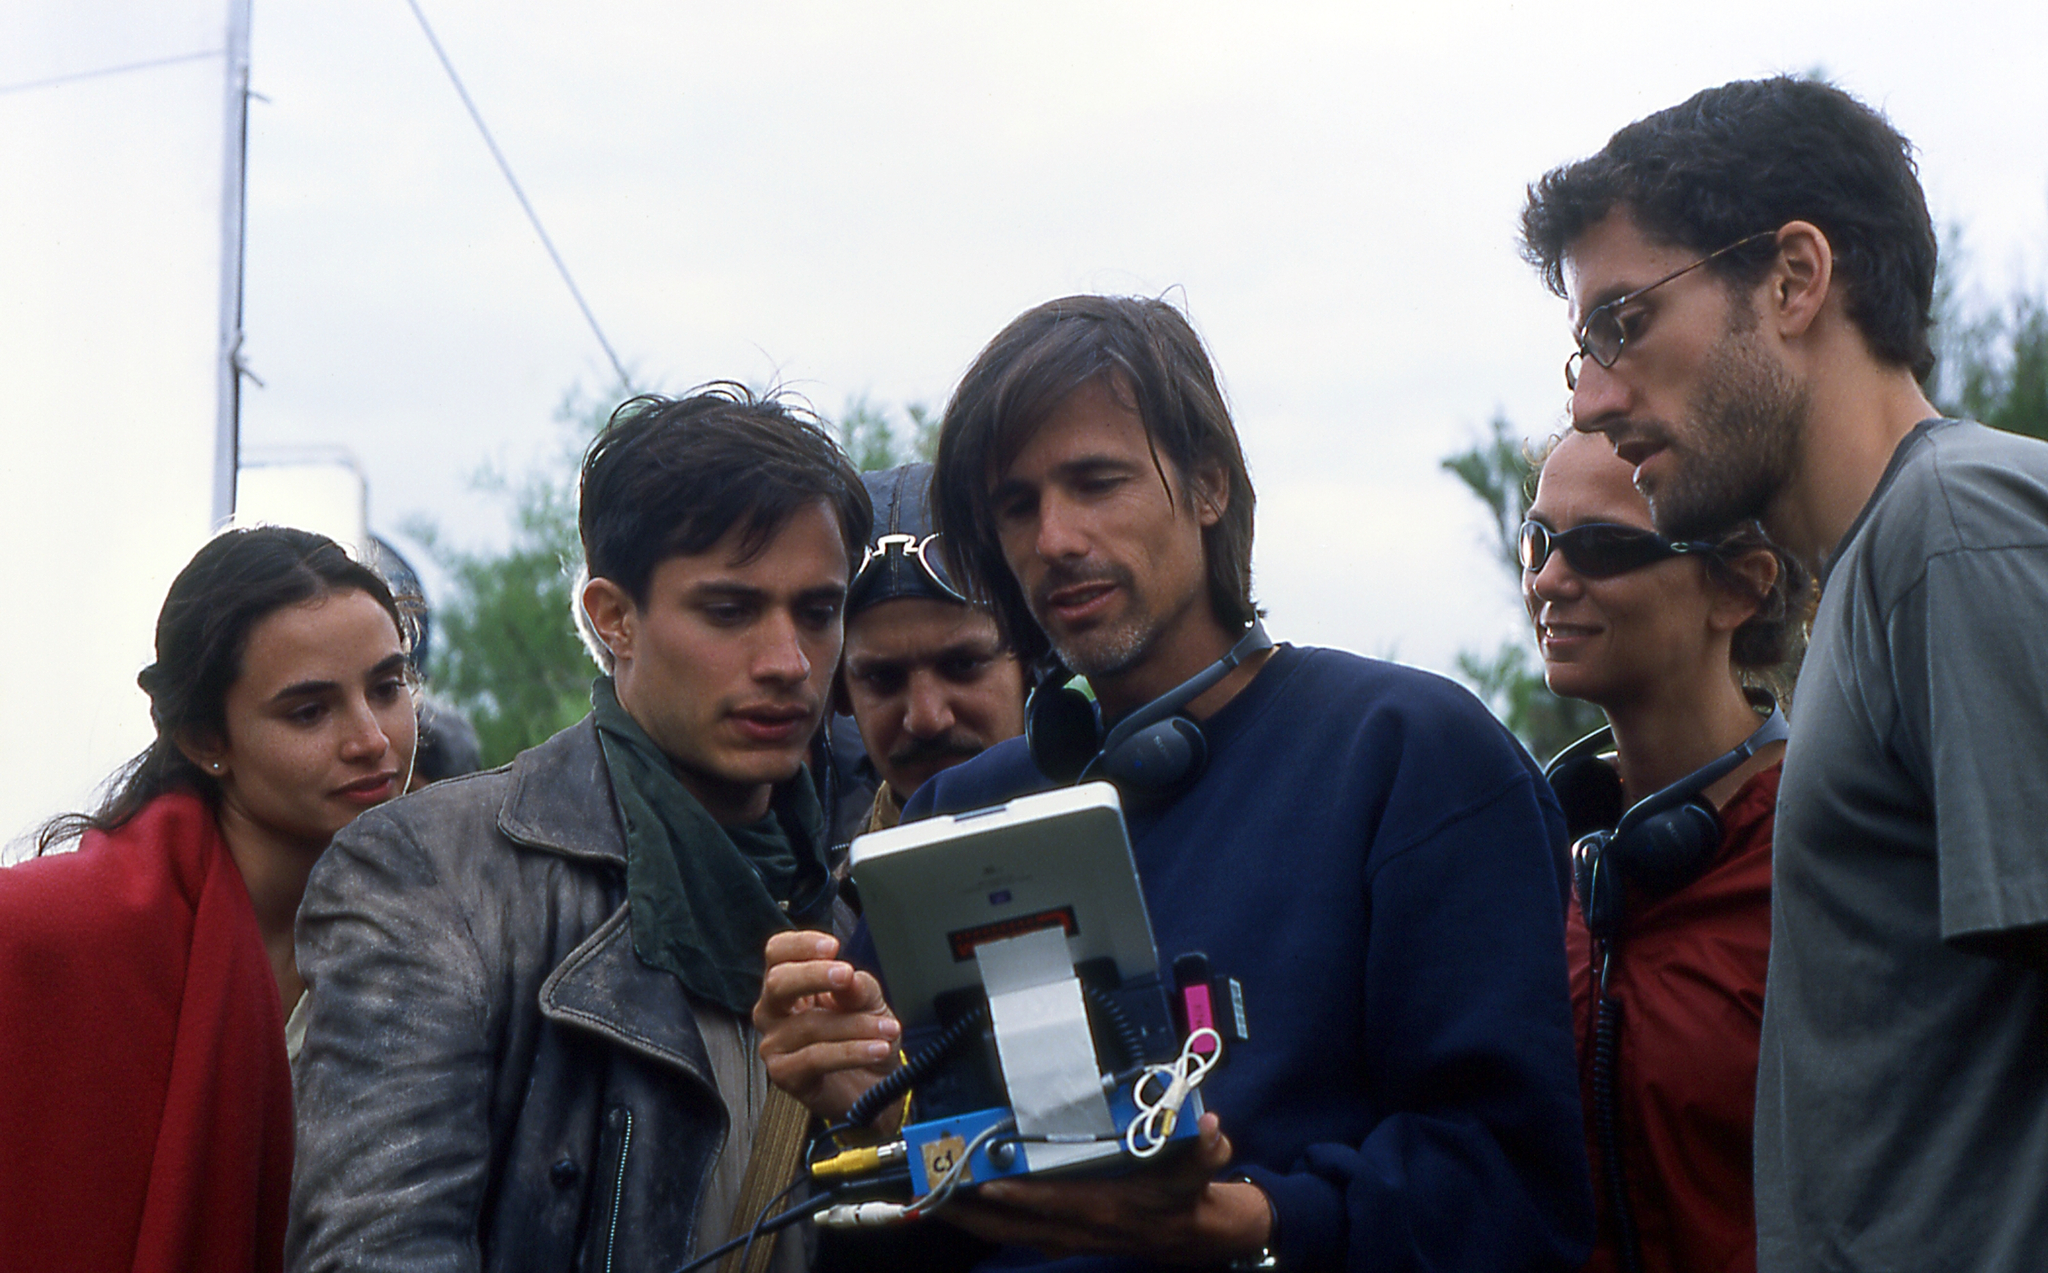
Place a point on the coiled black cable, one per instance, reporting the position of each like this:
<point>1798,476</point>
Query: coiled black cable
<point>875,1099</point>
<point>1128,1037</point>
<point>1606,1127</point>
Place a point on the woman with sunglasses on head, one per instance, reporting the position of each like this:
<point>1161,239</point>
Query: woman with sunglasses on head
<point>1670,924</point>
<point>146,979</point>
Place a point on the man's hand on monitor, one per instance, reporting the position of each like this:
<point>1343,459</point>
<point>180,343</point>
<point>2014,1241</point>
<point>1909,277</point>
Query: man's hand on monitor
<point>1175,1212</point>
<point>826,1034</point>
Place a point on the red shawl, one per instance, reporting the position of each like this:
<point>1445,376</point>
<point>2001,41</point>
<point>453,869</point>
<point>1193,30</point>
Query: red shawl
<point>145,1100</point>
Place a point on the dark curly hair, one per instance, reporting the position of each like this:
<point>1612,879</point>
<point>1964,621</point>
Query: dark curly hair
<point>232,584</point>
<point>669,477</point>
<point>1766,646</point>
<point>1746,158</point>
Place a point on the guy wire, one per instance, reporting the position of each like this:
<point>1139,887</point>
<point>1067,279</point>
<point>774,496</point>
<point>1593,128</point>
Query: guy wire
<point>618,368</point>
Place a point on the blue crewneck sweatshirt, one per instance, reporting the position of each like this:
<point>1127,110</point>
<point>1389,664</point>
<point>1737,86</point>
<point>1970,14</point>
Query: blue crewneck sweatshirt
<point>1382,867</point>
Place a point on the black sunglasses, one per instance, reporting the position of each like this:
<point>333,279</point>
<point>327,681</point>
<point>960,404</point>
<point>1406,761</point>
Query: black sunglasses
<point>1599,550</point>
<point>1603,335</point>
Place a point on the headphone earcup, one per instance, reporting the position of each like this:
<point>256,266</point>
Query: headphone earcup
<point>1062,731</point>
<point>1670,850</point>
<point>1589,791</point>
<point>1593,881</point>
<point>1158,760</point>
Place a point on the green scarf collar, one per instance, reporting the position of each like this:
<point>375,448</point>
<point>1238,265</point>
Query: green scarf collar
<point>705,898</point>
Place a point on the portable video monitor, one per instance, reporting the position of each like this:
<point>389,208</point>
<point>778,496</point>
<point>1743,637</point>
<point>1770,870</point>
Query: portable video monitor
<point>934,890</point>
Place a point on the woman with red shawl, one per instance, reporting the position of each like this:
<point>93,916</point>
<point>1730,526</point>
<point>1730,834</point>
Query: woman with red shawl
<point>146,979</point>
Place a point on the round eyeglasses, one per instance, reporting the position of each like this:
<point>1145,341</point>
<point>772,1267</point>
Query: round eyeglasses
<point>1600,550</point>
<point>1604,334</point>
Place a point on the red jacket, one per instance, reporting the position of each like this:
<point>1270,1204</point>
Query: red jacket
<point>145,1099</point>
<point>1690,977</point>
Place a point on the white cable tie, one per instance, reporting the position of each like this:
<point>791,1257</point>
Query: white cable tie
<point>1156,1118</point>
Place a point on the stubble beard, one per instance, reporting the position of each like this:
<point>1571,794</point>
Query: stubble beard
<point>1107,651</point>
<point>1747,430</point>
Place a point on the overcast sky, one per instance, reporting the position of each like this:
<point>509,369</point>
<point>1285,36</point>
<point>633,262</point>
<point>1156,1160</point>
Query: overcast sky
<point>850,199</point>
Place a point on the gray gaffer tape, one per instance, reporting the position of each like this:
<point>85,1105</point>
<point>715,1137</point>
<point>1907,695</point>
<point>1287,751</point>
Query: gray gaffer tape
<point>1041,1025</point>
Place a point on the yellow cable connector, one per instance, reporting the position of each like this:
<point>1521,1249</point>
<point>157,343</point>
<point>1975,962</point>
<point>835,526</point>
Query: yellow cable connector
<point>859,1162</point>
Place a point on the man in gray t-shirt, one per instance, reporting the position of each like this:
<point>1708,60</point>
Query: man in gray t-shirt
<point>1905,1052</point>
<point>1750,275</point>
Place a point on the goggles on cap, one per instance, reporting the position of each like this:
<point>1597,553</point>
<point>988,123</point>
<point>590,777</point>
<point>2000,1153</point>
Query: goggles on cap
<point>900,565</point>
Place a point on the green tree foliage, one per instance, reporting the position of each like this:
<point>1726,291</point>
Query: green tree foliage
<point>1991,360</point>
<point>507,653</point>
<point>1511,683</point>
<point>1501,474</point>
<point>873,442</point>
<point>1994,367</point>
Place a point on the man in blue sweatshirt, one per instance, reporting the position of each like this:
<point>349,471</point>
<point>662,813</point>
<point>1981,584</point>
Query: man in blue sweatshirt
<point>1365,850</point>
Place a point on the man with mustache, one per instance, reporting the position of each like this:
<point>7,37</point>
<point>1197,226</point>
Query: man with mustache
<point>1367,851</point>
<point>1751,275</point>
<point>529,1041</point>
<point>926,677</point>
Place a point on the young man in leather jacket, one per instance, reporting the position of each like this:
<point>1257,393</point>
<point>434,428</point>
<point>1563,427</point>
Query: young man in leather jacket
<point>529,1043</point>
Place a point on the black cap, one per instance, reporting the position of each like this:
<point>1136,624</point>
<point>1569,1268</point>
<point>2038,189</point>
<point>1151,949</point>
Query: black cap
<point>904,558</point>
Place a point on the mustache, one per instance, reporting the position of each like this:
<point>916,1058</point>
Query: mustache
<point>947,746</point>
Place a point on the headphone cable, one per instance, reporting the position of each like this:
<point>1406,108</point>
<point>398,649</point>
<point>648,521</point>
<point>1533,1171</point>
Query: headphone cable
<point>1607,1118</point>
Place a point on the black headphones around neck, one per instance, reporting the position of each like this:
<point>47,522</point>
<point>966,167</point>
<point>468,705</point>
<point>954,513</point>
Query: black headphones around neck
<point>1659,845</point>
<point>1154,752</point>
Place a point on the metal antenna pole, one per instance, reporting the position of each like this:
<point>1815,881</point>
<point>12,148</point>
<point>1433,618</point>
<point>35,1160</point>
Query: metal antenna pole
<point>234,211</point>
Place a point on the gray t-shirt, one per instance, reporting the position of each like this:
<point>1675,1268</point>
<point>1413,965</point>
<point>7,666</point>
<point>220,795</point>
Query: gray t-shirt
<point>1902,1099</point>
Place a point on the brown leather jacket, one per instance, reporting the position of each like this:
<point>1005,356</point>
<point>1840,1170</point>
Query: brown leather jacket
<point>491,1078</point>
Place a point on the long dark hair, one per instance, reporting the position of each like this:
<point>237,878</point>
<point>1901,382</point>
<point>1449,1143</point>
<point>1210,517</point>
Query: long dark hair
<point>237,580</point>
<point>1148,355</point>
<point>1767,648</point>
